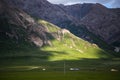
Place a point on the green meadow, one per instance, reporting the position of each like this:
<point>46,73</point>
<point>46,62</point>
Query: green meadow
<point>35,69</point>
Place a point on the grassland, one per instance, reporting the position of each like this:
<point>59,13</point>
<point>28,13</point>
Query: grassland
<point>36,69</point>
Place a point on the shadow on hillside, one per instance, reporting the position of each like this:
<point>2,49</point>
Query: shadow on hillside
<point>35,56</point>
<point>25,56</point>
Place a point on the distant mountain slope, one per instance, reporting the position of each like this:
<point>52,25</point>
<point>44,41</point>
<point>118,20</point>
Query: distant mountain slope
<point>42,9</point>
<point>98,19</point>
<point>19,31</point>
<point>103,22</point>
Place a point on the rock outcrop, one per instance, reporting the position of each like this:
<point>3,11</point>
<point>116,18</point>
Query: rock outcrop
<point>17,25</point>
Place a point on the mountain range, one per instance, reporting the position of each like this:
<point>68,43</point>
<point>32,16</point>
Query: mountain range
<point>94,18</point>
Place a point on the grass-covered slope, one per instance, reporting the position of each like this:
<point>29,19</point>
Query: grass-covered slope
<point>66,46</point>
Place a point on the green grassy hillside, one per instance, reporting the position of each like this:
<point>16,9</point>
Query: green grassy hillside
<point>66,46</point>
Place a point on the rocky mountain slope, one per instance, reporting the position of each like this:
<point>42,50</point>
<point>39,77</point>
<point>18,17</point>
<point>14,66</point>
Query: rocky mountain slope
<point>16,24</point>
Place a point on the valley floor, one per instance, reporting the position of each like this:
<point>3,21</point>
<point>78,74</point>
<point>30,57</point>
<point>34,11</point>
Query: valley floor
<point>35,69</point>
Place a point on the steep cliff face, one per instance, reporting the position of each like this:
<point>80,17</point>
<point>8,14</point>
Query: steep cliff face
<point>96,18</point>
<point>17,25</point>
